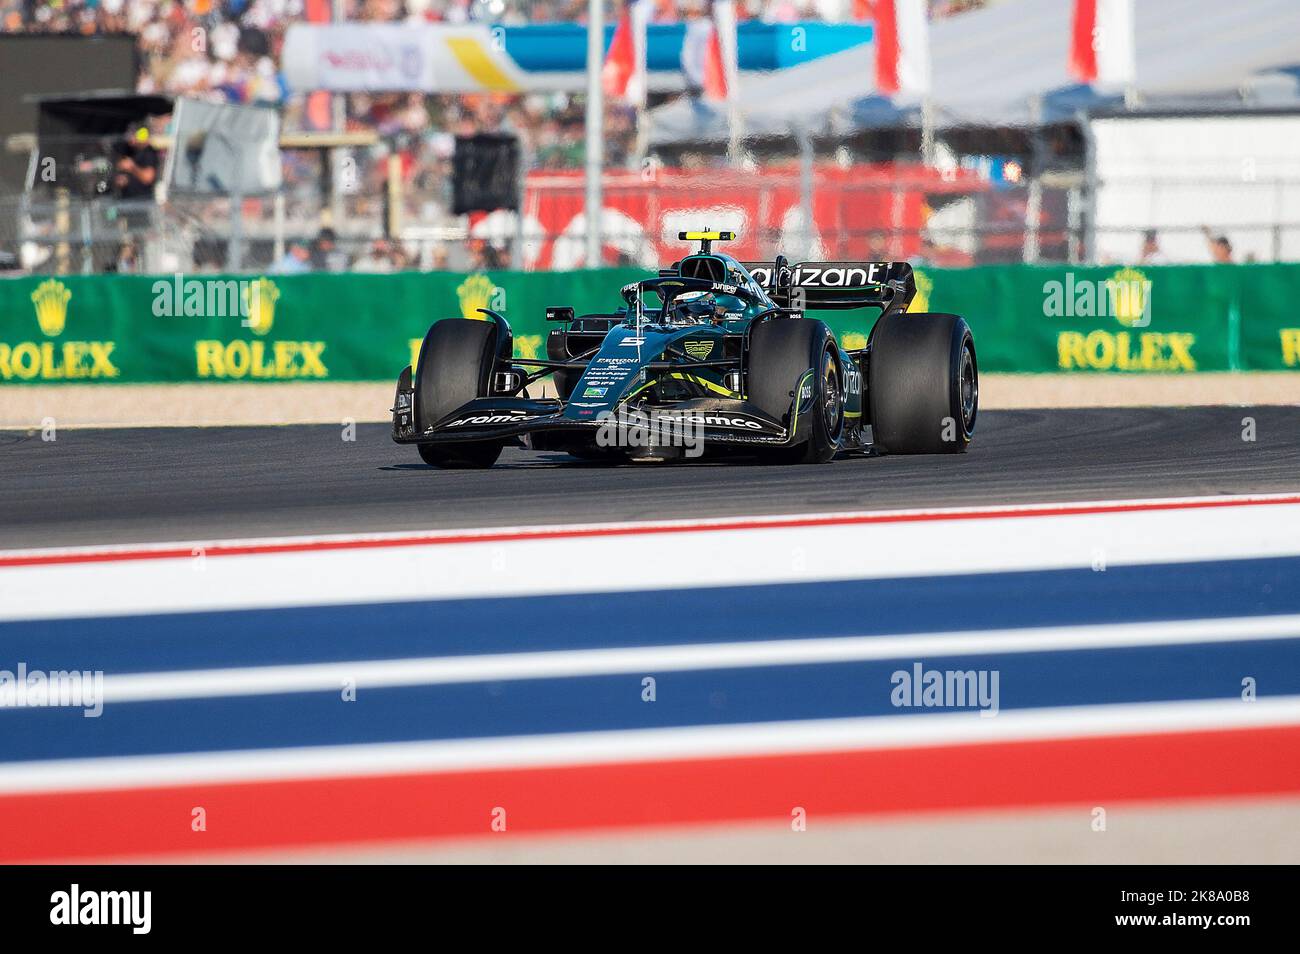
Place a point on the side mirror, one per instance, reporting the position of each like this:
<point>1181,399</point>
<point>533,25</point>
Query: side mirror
<point>559,313</point>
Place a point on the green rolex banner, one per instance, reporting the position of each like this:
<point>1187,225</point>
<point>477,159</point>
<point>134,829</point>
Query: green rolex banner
<point>135,329</point>
<point>108,328</point>
<point>1136,320</point>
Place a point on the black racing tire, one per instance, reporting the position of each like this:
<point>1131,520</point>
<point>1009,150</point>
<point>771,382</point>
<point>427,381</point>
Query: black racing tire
<point>922,384</point>
<point>780,351</point>
<point>461,456</point>
<point>455,366</point>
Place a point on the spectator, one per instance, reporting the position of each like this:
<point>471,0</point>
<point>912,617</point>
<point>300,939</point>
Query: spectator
<point>136,168</point>
<point>376,260</point>
<point>326,256</point>
<point>1151,253</point>
<point>297,259</point>
<point>1220,247</point>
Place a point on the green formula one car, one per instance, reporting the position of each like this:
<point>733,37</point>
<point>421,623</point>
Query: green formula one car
<point>711,356</point>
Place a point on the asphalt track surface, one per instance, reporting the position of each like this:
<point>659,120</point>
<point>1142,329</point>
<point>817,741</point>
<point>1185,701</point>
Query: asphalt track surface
<point>134,485</point>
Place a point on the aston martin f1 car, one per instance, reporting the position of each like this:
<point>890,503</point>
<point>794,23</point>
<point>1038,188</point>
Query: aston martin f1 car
<point>712,355</point>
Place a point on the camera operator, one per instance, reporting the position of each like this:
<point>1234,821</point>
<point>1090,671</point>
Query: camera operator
<point>136,166</point>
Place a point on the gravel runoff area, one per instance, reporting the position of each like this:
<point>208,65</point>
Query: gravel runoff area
<point>1243,831</point>
<point>138,405</point>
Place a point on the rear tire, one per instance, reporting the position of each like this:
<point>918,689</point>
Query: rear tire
<point>922,384</point>
<point>780,351</point>
<point>455,366</point>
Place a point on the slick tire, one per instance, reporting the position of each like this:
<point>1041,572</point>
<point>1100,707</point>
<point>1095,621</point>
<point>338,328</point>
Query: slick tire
<point>922,384</point>
<point>455,366</point>
<point>780,351</point>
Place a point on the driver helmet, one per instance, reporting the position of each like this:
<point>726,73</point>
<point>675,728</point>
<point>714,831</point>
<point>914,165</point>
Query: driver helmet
<point>693,308</point>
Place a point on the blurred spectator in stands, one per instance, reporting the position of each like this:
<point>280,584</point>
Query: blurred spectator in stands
<point>1151,253</point>
<point>401,258</point>
<point>297,259</point>
<point>1220,247</point>
<point>484,256</point>
<point>326,256</point>
<point>128,259</point>
<point>377,260</point>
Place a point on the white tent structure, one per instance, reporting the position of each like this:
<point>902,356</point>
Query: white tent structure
<point>1005,65</point>
<point>813,95</point>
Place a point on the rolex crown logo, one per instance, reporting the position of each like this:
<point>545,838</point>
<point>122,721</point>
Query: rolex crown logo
<point>474,293</point>
<point>924,285</point>
<point>51,300</point>
<point>1128,289</point>
<point>260,297</point>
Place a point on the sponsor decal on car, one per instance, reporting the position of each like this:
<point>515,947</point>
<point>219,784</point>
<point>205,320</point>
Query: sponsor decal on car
<point>595,392</point>
<point>853,379</point>
<point>494,417</point>
<point>699,350</point>
<point>806,391</point>
<point>813,275</point>
<point>711,419</point>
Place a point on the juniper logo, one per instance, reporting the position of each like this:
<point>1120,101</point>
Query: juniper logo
<point>36,689</point>
<point>1125,296</point>
<point>75,906</point>
<point>51,302</point>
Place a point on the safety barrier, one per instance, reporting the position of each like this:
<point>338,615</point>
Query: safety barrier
<point>343,327</point>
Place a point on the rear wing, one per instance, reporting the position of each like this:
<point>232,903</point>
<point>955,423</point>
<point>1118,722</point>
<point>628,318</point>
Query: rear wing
<point>888,286</point>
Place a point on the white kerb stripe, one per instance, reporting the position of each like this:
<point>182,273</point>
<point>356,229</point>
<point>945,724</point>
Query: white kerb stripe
<point>695,742</point>
<point>603,564</point>
<point>376,674</point>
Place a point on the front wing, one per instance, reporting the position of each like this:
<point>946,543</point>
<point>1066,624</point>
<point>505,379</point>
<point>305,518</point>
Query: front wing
<point>714,420</point>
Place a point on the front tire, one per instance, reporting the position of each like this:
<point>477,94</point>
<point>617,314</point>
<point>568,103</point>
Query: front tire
<point>455,366</point>
<point>461,456</point>
<point>780,351</point>
<point>923,384</point>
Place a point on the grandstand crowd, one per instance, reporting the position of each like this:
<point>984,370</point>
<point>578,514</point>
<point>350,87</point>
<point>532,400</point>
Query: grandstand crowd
<point>228,50</point>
